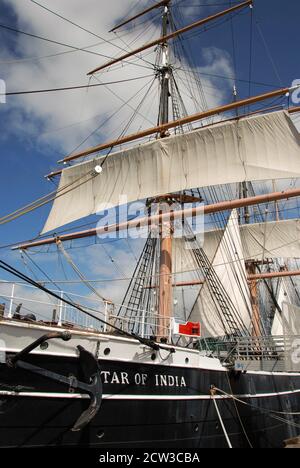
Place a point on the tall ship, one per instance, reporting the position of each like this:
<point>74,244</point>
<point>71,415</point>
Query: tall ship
<point>204,349</point>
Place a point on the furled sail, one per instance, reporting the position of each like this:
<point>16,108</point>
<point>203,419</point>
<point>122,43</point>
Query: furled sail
<point>230,268</point>
<point>253,148</point>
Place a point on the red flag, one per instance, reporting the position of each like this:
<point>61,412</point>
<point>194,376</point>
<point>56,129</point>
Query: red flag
<point>187,329</point>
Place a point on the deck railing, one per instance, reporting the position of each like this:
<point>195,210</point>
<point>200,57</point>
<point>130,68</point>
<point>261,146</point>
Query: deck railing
<point>143,326</point>
<point>271,353</point>
<point>25,301</point>
<point>21,301</point>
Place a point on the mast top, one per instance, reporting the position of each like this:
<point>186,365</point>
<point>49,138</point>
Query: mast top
<point>174,34</point>
<point>142,13</point>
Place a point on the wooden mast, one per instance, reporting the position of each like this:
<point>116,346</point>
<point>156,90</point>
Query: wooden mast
<point>165,227</point>
<point>256,325</point>
<point>165,280</point>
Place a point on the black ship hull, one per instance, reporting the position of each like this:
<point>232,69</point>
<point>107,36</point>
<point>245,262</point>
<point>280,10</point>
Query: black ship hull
<point>148,405</point>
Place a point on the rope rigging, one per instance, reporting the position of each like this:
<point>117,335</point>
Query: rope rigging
<point>70,88</point>
<point>111,116</point>
<point>77,182</point>
<point>58,54</point>
<point>78,272</point>
<point>78,49</point>
<point>258,408</point>
<point>79,27</point>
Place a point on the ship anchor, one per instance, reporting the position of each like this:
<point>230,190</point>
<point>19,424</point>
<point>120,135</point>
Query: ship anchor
<point>89,366</point>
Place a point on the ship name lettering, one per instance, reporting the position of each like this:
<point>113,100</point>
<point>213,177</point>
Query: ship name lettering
<point>140,379</point>
<point>114,378</point>
<point>162,380</point>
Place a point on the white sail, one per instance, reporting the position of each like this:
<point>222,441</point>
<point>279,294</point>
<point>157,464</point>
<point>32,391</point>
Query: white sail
<point>290,320</point>
<point>254,148</point>
<point>277,327</point>
<point>287,320</point>
<point>275,239</point>
<point>291,332</point>
<point>230,268</point>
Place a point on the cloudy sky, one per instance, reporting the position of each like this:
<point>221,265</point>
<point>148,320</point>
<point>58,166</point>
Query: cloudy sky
<point>37,130</point>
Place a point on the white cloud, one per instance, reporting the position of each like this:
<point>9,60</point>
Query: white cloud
<point>52,120</point>
<point>49,112</point>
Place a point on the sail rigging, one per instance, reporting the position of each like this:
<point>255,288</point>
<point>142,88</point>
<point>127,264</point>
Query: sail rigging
<point>229,266</point>
<point>282,296</point>
<point>256,148</point>
<point>158,353</point>
<point>182,121</point>
<point>166,37</point>
<point>270,239</point>
<point>142,13</point>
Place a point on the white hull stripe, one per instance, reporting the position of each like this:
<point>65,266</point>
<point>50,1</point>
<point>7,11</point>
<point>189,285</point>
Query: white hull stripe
<point>71,396</point>
<point>158,363</point>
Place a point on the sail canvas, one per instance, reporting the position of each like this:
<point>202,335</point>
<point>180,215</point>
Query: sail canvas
<point>254,148</point>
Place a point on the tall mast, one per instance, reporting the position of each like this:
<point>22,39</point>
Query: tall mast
<point>165,228</point>
<point>164,72</point>
<point>246,209</point>
<point>256,319</point>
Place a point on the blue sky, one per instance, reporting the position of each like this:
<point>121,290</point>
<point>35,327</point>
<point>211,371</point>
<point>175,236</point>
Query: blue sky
<point>26,155</point>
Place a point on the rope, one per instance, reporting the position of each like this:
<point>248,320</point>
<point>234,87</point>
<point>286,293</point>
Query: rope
<point>69,88</point>
<point>62,190</point>
<point>45,199</point>
<point>268,51</point>
<point>239,416</point>
<point>220,418</point>
<point>78,272</point>
<point>264,410</point>
<point>82,28</point>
